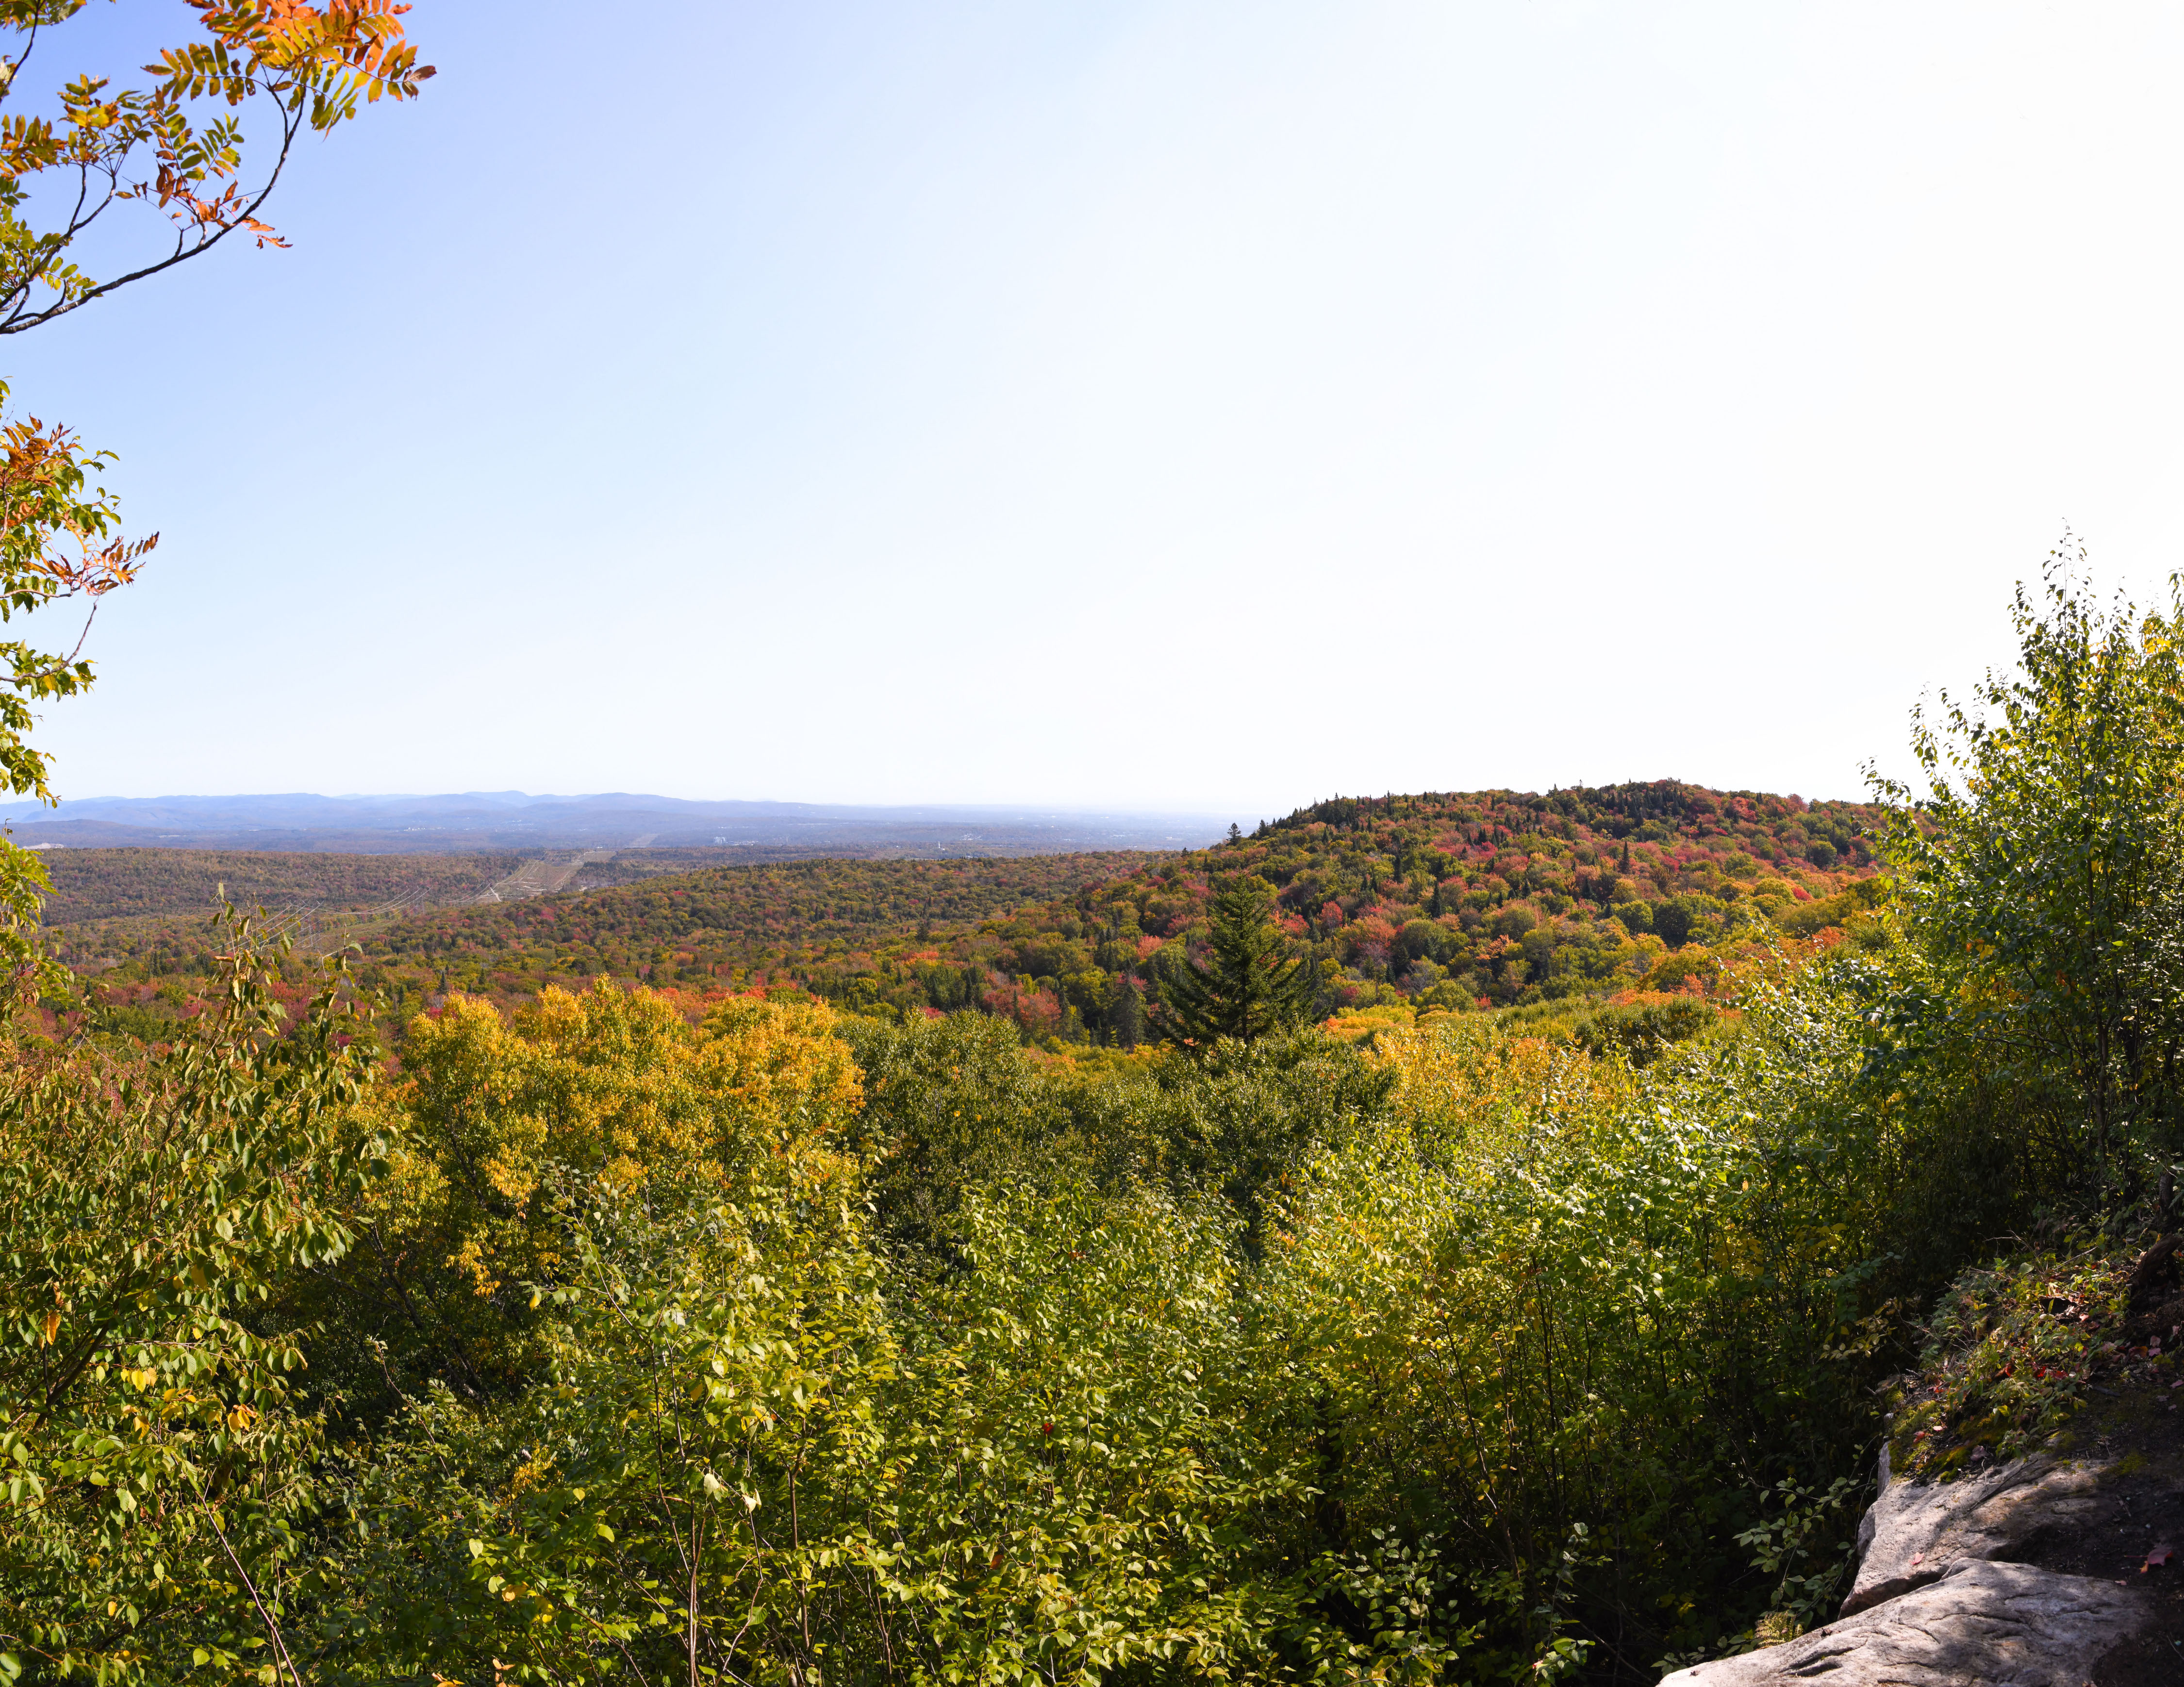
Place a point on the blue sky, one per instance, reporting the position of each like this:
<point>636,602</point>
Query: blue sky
<point>1190,405</point>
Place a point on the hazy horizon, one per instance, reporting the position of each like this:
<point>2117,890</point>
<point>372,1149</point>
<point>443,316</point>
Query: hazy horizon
<point>18,809</point>
<point>26,805</point>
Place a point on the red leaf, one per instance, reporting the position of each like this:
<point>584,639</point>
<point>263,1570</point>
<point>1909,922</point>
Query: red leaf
<point>2157,1558</point>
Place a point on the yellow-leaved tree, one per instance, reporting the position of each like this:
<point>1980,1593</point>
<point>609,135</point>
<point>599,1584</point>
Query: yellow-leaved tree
<point>505,1131</point>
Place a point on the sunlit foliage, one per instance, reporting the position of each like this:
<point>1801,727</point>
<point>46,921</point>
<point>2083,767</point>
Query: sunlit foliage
<point>739,1335</point>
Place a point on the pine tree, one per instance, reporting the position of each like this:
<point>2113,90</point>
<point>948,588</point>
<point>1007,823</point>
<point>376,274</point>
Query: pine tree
<point>1126,1014</point>
<point>1248,989</point>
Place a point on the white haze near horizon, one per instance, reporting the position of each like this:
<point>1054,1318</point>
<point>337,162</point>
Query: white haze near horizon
<point>1184,407</point>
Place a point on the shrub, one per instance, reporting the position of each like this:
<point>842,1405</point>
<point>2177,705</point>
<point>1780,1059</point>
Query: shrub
<point>1642,1032</point>
<point>2044,876</point>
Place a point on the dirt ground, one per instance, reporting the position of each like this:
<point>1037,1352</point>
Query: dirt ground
<point>2143,1511</point>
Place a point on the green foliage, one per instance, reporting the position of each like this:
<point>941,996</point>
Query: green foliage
<point>159,1453</point>
<point>493,1121</point>
<point>58,542</point>
<point>955,1104</point>
<point>1513,922</point>
<point>757,1445</point>
<point>1804,918</point>
<point>1243,1120</point>
<point>2010,1352</point>
<point>1558,1303</point>
<point>2042,870</point>
<point>1809,1545</point>
<point>1641,1032</point>
<point>1188,1365</point>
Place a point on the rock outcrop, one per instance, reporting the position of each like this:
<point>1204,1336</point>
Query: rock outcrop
<point>1916,1531</point>
<point>1951,1592</point>
<point>1980,1624</point>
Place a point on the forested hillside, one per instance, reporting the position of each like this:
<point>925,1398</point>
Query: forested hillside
<point>1441,900</point>
<point>103,884</point>
<point>811,908</point>
<point>1447,901</point>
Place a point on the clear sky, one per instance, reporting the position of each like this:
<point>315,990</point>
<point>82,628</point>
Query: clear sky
<point>1194,405</point>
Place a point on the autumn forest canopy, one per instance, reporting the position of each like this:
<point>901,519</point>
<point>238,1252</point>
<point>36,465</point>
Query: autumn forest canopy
<point>1425,903</point>
<point>1435,1238</point>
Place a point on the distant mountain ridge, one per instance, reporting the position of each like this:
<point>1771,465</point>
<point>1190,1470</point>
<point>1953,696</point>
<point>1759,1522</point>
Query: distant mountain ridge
<point>517,820</point>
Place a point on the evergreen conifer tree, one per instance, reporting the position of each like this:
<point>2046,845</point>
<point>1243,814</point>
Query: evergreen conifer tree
<point>1249,988</point>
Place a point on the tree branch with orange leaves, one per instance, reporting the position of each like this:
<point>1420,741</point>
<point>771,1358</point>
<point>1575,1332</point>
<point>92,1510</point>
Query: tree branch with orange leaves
<point>314,66</point>
<point>57,541</point>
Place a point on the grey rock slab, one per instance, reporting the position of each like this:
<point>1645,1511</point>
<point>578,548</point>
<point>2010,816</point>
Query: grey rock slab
<point>1916,1531</point>
<point>1982,1624</point>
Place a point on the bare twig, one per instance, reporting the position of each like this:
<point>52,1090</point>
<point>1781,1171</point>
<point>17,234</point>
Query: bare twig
<point>272,1628</point>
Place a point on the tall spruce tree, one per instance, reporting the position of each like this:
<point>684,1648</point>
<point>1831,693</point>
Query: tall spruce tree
<point>1249,986</point>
